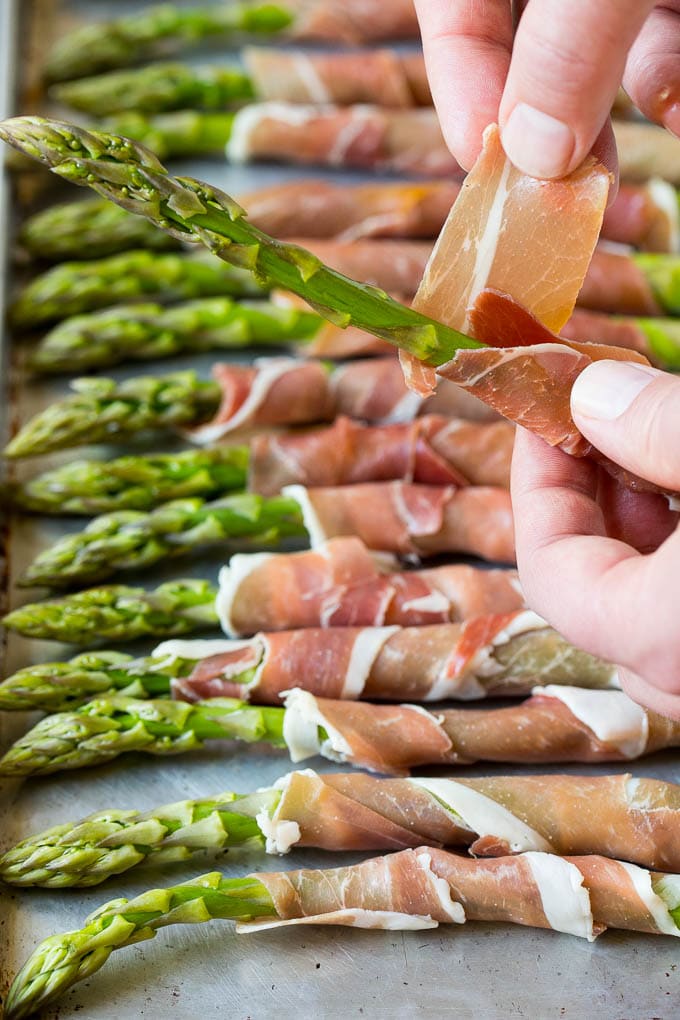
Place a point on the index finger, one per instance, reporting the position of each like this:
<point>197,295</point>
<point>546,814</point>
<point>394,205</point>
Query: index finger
<point>467,50</point>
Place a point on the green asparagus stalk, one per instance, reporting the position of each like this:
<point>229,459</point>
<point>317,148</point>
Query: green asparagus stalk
<point>110,842</point>
<point>119,613</point>
<point>177,134</point>
<point>73,288</point>
<point>91,229</point>
<point>101,410</point>
<point>132,540</point>
<point>145,332</point>
<point>62,960</point>
<point>663,339</point>
<point>159,31</point>
<point>133,483</point>
<point>60,686</point>
<point>133,178</point>
<point>103,729</point>
<point>157,88</point>
<point>663,275</point>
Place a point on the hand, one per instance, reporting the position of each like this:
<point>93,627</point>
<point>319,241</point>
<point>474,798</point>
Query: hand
<point>599,562</point>
<point>550,85</point>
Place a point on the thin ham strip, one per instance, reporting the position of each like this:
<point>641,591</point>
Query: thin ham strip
<point>421,887</point>
<point>396,738</point>
<point>411,519</point>
<point>289,391</point>
<point>645,216</point>
<point>362,136</point>
<point>353,21</point>
<point>317,208</point>
<point>341,583</point>
<point>484,656</point>
<point>432,449</point>
<point>381,77</point>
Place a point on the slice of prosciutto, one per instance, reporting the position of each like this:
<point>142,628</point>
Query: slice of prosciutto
<point>487,656</point>
<point>634,819</point>
<point>342,583</point>
<point>288,391</point>
<point>410,519</point>
<point>318,208</point>
<point>657,339</point>
<point>362,136</point>
<point>383,77</point>
<point>556,724</point>
<point>423,887</point>
<point>645,216</point>
<point>352,22</point>
<point>433,450</point>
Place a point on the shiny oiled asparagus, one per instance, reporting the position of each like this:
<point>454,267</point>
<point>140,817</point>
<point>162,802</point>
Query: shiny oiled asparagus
<point>74,288</point>
<point>101,410</point>
<point>175,134</point>
<point>90,229</point>
<point>157,87</point>
<point>119,613</point>
<point>131,176</point>
<point>132,540</point>
<point>133,483</point>
<point>146,332</point>
<point>101,46</point>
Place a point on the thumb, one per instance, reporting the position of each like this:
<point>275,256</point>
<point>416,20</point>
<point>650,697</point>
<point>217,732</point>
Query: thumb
<point>631,413</point>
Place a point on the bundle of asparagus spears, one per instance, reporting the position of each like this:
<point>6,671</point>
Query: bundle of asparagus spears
<point>155,506</point>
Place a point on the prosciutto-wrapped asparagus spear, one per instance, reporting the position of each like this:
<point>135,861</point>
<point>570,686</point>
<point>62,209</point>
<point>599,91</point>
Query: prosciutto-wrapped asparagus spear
<point>411,890</point>
<point>383,77</point>
<point>530,383</point>
<point>488,656</point>
<point>103,45</point>
<point>401,517</point>
<point>362,136</point>
<point>340,584</point>
<point>646,150</point>
<point>556,724</point>
<point>655,337</point>
<point>642,215</point>
<point>634,819</point>
<point>270,392</point>
<point>432,449</point>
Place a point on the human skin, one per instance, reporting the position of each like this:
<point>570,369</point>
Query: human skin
<point>600,562</point>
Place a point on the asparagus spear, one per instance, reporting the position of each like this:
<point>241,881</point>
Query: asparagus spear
<point>73,288</point>
<point>101,730</point>
<point>110,842</point>
<point>90,229</point>
<point>119,613</point>
<point>101,409</point>
<point>104,45</point>
<point>175,134</point>
<point>157,87</point>
<point>131,176</point>
<point>62,960</point>
<point>133,483</point>
<point>130,539</point>
<point>144,332</point>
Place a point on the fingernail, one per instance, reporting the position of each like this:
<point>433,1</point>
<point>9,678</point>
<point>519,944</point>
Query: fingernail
<point>606,389</point>
<point>671,119</point>
<point>537,144</point>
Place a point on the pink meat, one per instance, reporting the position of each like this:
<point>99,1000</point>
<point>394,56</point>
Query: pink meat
<point>317,208</point>
<point>635,217</point>
<point>597,327</point>
<point>353,21</point>
<point>343,584</point>
<point>367,137</point>
<point>420,520</point>
<point>394,266</point>
<point>433,450</point>
<point>614,283</point>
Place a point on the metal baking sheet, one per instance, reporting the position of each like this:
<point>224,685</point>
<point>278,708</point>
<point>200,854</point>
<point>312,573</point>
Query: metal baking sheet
<point>481,971</point>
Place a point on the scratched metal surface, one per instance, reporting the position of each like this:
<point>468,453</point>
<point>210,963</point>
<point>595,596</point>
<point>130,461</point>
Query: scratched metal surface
<point>481,971</point>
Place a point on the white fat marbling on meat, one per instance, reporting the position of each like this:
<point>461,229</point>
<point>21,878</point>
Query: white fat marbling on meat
<point>611,715</point>
<point>665,198</point>
<point>482,815</point>
<point>367,646</point>
<point>310,518</point>
<point>565,900</point>
<point>642,883</point>
<point>350,917</point>
<point>483,663</point>
<point>248,119</point>
<point>231,576</point>
<point>301,723</point>
<point>442,890</point>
